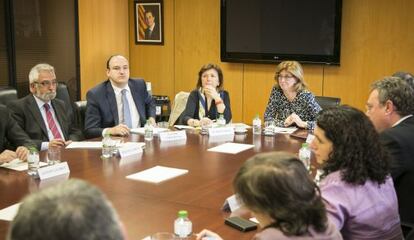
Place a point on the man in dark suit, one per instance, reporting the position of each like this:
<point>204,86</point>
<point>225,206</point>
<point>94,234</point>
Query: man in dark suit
<point>152,32</point>
<point>43,117</point>
<point>119,103</point>
<point>389,107</point>
<point>12,134</point>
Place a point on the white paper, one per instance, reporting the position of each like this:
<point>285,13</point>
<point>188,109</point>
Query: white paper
<point>221,131</point>
<point>156,130</point>
<point>130,149</point>
<point>8,213</point>
<point>253,219</point>
<point>85,145</point>
<point>232,148</point>
<point>233,203</point>
<point>179,127</point>
<point>19,165</point>
<point>284,130</point>
<point>157,174</point>
<point>173,136</point>
<point>53,170</point>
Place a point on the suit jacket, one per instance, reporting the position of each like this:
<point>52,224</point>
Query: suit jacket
<point>399,141</point>
<point>27,114</point>
<point>11,132</point>
<point>155,33</point>
<point>101,108</point>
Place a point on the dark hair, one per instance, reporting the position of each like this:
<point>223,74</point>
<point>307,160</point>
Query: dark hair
<point>356,150</point>
<point>406,76</point>
<point>397,91</point>
<point>110,58</point>
<point>71,210</point>
<point>208,67</point>
<point>278,185</point>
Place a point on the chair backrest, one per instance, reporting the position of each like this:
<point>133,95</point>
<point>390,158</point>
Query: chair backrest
<point>408,230</point>
<point>62,93</point>
<point>7,94</point>
<point>180,101</point>
<point>326,102</point>
<point>80,110</point>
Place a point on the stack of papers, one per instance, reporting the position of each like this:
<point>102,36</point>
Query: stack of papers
<point>156,130</point>
<point>232,148</point>
<point>157,174</point>
<point>19,165</point>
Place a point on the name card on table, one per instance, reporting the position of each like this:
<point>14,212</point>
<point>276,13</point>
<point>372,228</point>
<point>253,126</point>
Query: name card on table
<point>220,131</point>
<point>231,204</point>
<point>173,136</point>
<point>130,149</point>
<point>53,170</point>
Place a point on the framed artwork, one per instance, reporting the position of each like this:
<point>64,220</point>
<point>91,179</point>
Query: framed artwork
<point>149,25</point>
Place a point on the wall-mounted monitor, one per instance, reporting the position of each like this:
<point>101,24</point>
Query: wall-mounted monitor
<point>269,31</point>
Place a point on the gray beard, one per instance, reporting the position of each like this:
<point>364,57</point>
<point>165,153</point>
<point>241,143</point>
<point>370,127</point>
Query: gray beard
<point>46,96</point>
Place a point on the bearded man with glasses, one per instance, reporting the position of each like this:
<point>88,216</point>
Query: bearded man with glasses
<point>43,117</point>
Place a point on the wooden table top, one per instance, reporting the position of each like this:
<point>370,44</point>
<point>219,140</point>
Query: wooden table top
<point>146,208</point>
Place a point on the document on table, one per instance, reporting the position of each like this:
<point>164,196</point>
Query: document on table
<point>241,125</point>
<point>19,165</point>
<point>180,127</point>
<point>8,213</point>
<point>232,148</point>
<point>156,130</point>
<point>85,145</point>
<point>157,174</point>
<point>284,130</point>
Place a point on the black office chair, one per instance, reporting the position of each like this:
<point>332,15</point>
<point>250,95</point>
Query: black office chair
<point>408,230</point>
<point>80,110</point>
<point>62,93</point>
<point>7,94</point>
<point>326,102</point>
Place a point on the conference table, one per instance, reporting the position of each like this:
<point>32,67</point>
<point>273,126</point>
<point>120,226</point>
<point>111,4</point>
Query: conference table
<point>147,208</point>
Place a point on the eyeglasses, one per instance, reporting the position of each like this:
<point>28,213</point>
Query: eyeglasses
<point>286,77</point>
<point>47,83</point>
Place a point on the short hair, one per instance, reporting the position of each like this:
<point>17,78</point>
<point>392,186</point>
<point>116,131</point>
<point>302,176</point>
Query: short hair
<point>397,91</point>
<point>278,185</point>
<point>294,68</point>
<point>35,71</point>
<point>110,58</point>
<point>406,76</point>
<point>208,67</point>
<point>356,149</point>
<point>71,210</point>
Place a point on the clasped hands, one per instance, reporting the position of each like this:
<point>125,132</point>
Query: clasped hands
<point>294,118</point>
<point>123,130</point>
<point>20,153</point>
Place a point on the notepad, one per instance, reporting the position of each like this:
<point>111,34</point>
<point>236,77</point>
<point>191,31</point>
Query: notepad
<point>232,148</point>
<point>85,145</point>
<point>19,165</point>
<point>157,174</point>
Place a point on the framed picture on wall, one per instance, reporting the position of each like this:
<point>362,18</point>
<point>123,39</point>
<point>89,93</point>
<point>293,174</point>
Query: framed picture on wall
<point>149,25</point>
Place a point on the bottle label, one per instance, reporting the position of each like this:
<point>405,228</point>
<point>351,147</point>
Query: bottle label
<point>182,228</point>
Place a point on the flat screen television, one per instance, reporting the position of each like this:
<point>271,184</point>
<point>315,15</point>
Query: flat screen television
<point>269,31</point>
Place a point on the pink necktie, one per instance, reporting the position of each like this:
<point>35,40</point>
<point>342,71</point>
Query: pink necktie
<point>51,123</point>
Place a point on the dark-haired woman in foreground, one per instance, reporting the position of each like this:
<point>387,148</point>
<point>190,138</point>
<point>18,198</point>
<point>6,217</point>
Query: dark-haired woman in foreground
<point>357,188</point>
<point>278,191</point>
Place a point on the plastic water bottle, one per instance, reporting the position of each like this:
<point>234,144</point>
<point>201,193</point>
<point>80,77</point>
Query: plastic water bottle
<point>148,131</point>
<point>257,125</point>
<point>107,146</point>
<point>221,122</point>
<point>305,155</point>
<point>33,161</point>
<point>183,227</point>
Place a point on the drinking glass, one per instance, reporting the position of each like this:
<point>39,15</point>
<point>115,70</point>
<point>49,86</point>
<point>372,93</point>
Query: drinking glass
<point>163,236</point>
<point>53,155</point>
<point>269,128</point>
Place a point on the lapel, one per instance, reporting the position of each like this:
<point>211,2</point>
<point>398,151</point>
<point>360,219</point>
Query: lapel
<point>111,101</point>
<point>59,115</point>
<point>137,100</point>
<point>33,108</point>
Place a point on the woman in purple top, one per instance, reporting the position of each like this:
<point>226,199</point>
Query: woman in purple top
<point>279,192</point>
<point>356,185</point>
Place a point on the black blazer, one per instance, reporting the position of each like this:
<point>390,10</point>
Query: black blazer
<point>155,33</point>
<point>101,108</point>
<point>399,141</point>
<point>27,114</point>
<point>10,132</point>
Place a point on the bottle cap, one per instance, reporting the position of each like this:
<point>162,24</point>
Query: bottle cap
<point>182,213</point>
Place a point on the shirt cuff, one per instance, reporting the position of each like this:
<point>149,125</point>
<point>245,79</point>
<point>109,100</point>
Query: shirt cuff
<point>44,146</point>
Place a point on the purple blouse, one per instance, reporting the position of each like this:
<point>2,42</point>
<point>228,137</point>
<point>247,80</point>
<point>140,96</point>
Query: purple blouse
<point>368,211</point>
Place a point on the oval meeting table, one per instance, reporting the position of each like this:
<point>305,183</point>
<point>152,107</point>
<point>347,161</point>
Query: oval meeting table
<point>147,208</point>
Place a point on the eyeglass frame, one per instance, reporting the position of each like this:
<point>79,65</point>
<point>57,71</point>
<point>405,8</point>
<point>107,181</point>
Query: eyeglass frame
<point>47,83</point>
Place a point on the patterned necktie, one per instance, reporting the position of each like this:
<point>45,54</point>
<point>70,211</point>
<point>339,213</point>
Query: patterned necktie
<point>51,123</point>
<point>125,109</point>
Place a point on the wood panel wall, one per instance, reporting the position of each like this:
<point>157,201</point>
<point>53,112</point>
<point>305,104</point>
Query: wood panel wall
<point>377,40</point>
<point>103,31</point>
